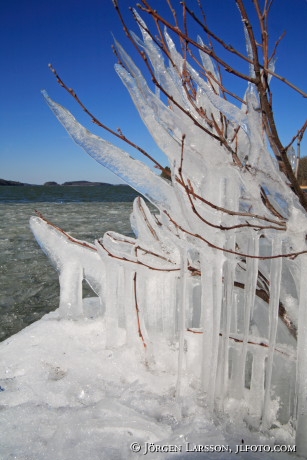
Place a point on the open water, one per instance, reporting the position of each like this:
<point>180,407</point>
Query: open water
<point>29,285</point>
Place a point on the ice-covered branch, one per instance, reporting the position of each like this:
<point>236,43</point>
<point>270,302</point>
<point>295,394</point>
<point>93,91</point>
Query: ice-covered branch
<point>134,172</point>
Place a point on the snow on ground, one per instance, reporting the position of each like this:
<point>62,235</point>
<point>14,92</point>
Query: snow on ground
<point>65,396</point>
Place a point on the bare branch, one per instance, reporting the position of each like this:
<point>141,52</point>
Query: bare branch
<point>299,135</point>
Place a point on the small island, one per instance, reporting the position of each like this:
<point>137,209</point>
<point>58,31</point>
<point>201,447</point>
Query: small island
<point>53,183</point>
<point>84,183</point>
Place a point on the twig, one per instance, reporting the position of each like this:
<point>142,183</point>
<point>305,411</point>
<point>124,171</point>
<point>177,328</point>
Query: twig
<point>233,50</point>
<point>299,135</point>
<point>136,261</point>
<point>148,9</point>
<point>250,342</point>
<point>69,237</point>
<point>210,224</point>
<point>138,312</point>
<point>232,213</point>
<point>291,255</point>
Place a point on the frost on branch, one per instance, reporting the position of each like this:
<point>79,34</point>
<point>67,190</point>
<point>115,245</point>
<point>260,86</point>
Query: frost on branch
<point>219,271</point>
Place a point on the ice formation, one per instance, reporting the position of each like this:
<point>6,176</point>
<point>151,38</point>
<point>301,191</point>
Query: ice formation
<point>213,272</point>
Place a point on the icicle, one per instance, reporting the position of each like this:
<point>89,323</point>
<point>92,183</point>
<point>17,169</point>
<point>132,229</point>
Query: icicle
<point>121,296</point>
<point>207,308</point>
<point>216,309</point>
<point>256,393</point>
<point>229,271</point>
<point>275,280</point>
<point>152,296</point>
<point>182,320</point>
<point>132,335</point>
<point>168,303</point>
<point>111,315</point>
<point>209,67</point>
<point>71,276</point>
<point>249,301</point>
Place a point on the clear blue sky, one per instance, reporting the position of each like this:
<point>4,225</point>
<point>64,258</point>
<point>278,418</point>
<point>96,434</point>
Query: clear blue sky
<point>76,37</point>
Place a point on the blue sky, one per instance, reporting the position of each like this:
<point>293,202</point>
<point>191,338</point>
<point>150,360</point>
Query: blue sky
<point>76,37</point>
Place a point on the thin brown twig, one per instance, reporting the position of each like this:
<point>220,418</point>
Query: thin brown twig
<point>209,51</point>
<point>205,221</point>
<point>137,247</point>
<point>231,49</point>
<point>299,135</point>
<point>136,261</point>
<point>152,230</point>
<point>290,255</point>
<point>228,211</point>
<point>250,342</point>
<point>69,237</point>
<point>273,55</point>
<point>138,312</point>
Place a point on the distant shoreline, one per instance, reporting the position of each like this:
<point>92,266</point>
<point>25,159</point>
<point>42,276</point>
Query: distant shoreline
<point>52,183</point>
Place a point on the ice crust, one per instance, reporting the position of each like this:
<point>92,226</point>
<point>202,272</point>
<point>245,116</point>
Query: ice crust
<point>67,396</point>
<point>196,292</point>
